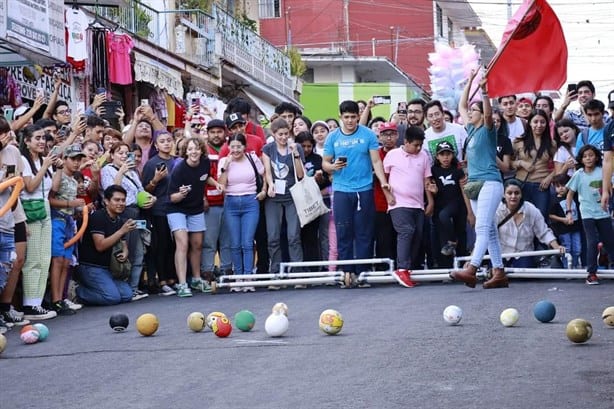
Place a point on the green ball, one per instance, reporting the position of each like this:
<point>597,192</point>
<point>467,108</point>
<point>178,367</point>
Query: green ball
<point>141,198</point>
<point>43,331</point>
<point>245,320</point>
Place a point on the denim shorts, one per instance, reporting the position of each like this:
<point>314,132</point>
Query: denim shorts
<point>7,256</point>
<point>191,223</point>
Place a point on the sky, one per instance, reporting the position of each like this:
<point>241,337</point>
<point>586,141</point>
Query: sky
<point>589,30</point>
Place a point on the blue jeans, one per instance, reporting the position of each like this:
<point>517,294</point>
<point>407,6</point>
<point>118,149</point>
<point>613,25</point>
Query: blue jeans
<point>408,223</point>
<point>486,232</point>
<point>97,286</point>
<point>573,245</point>
<point>354,221</point>
<point>136,249</point>
<point>241,215</point>
<point>275,212</point>
<point>7,256</point>
<point>597,230</point>
<point>217,233</point>
<point>531,192</point>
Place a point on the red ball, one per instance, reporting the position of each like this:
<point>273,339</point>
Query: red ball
<point>222,327</point>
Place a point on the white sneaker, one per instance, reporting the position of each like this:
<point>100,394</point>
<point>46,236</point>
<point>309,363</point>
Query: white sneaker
<point>249,289</point>
<point>37,312</point>
<point>236,289</point>
<point>166,290</point>
<point>73,305</point>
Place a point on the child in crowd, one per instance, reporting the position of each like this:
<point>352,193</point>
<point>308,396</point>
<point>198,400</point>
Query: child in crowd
<point>406,200</point>
<point>596,221</point>
<point>63,201</point>
<point>450,214</point>
<point>568,233</point>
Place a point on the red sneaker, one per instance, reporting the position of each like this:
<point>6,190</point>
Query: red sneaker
<point>404,278</point>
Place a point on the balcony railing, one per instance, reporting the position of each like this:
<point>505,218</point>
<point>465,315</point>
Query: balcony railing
<point>157,27</point>
<point>252,53</point>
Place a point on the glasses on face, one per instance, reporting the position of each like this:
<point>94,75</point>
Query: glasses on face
<point>64,112</point>
<point>388,135</point>
<point>414,112</point>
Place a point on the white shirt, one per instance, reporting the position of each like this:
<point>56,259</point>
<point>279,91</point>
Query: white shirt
<point>42,190</point>
<point>76,24</point>
<point>515,129</point>
<point>454,134</point>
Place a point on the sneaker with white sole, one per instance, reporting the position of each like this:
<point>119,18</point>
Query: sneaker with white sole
<point>11,317</point>
<point>36,312</point>
<point>183,290</point>
<point>249,289</point>
<point>139,295</point>
<point>17,313</point>
<point>4,326</point>
<point>73,305</point>
<point>166,290</point>
<point>592,279</point>
<point>200,285</point>
<point>404,278</point>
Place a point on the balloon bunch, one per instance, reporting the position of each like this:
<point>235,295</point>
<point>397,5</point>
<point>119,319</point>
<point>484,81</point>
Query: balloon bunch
<point>449,70</point>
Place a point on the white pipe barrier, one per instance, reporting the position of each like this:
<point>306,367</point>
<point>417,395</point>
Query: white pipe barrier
<point>287,265</point>
<point>513,255</point>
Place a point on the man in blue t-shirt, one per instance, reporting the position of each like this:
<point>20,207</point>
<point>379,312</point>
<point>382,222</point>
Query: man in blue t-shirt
<point>351,156</point>
<point>594,111</point>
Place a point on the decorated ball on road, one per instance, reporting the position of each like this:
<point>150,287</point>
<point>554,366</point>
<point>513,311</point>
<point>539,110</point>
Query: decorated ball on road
<point>452,314</point>
<point>331,322</point>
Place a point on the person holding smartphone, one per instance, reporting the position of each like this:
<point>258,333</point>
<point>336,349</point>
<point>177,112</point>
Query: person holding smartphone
<point>155,180</point>
<point>122,172</point>
<point>582,92</point>
<point>37,177</point>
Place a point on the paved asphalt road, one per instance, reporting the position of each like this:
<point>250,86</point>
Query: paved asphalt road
<point>395,351</point>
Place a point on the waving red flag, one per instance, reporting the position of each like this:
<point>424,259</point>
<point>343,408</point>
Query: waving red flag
<point>532,55</point>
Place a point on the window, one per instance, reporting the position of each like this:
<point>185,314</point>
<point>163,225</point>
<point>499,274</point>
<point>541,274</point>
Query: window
<point>450,32</point>
<point>269,8</point>
<point>439,15</point>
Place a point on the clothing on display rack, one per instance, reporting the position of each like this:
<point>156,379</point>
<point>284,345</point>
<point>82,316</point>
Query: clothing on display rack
<point>118,53</point>
<point>100,66</point>
<point>9,89</point>
<point>76,27</point>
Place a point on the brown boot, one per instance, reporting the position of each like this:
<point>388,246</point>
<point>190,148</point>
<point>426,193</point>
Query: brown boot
<point>467,275</point>
<point>498,279</point>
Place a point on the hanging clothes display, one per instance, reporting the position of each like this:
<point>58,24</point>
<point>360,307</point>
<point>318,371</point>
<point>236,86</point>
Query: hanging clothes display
<point>170,107</point>
<point>118,54</point>
<point>76,39</point>
<point>179,113</point>
<point>100,66</point>
<point>158,103</point>
<point>9,90</point>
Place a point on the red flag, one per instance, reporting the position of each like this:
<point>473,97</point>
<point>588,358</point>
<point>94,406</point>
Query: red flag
<point>532,55</point>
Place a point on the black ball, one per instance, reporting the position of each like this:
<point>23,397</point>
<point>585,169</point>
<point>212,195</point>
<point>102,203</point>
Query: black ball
<point>119,322</point>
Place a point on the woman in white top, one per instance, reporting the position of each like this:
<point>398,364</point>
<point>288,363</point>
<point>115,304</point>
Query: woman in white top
<point>565,136</point>
<point>37,176</point>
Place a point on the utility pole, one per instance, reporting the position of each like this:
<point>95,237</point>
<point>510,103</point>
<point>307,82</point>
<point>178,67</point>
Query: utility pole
<point>396,46</point>
<point>346,24</point>
<point>288,29</point>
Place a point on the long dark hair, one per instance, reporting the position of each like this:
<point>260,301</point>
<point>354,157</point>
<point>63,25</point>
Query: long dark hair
<point>567,123</point>
<point>546,145</point>
<point>26,134</point>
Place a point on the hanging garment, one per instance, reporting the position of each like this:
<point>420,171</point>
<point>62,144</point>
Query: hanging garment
<point>76,26</point>
<point>118,53</point>
<point>170,107</point>
<point>100,66</point>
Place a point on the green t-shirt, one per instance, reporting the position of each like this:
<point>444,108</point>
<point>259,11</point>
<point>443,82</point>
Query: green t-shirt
<point>589,188</point>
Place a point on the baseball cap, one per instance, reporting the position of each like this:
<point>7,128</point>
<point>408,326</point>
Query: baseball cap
<point>73,151</point>
<point>387,126</point>
<point>444,146</point>
<point>526,100</point>
<point>233,119</point>
<point>216,123</point>
<point>320,123</point>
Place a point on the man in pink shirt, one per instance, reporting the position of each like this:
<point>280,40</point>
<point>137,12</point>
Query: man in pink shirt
<point>406,200</point>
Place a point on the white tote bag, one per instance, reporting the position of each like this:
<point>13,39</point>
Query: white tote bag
<point>307,198</point>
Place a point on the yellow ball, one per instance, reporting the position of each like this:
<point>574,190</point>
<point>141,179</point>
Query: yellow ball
<point>196,321</point>
<point>213,316</point>
<point>331,322</point>
<point>579,330</point>
<point>281,307</point>
<point>2,343</point>
<point>147,324</point>
<point>509,317</point>
<point>608,316</point>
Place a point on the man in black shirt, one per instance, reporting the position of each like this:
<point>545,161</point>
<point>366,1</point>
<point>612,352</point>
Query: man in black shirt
<point>105,229</point>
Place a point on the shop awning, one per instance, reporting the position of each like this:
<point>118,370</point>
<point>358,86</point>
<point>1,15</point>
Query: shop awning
<point>158,74</point>
<point>11,54</point>
<point>266,107</point>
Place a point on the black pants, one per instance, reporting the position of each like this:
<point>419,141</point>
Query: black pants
<point>385,238</point>
<point>262,244</point>
<point>160,258</point>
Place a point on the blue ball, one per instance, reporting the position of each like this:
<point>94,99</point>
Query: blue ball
<point>544,311</point>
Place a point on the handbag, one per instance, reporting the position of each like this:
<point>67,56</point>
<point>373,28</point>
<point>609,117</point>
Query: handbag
<point>307,198</point>
<point>472,189</point>
<point>120,270</point>
<point>259,179</point>
<point>35,208</point>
